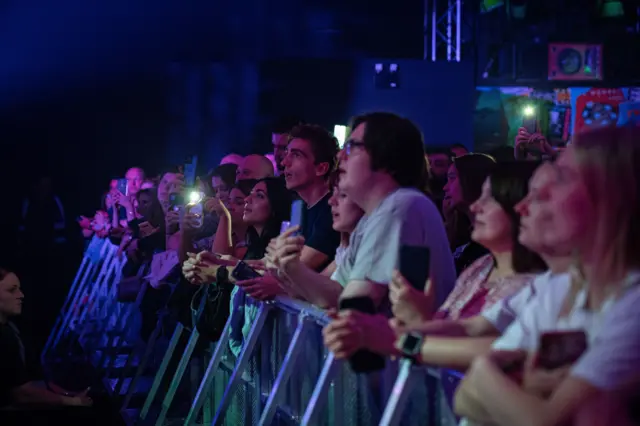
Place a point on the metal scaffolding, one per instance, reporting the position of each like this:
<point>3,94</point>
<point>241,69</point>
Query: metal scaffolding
<point>442,30</point>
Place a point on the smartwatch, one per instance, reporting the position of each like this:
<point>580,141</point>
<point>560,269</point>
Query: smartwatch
<point>411,343</point>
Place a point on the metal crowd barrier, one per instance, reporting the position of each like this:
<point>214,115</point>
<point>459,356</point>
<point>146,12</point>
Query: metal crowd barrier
<point>283,374</point>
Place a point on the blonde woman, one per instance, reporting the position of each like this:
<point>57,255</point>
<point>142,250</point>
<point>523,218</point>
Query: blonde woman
<point>596,205</point>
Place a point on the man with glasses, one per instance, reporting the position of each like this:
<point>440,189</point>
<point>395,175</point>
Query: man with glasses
<point>384,168</point>
<point>309,160</point>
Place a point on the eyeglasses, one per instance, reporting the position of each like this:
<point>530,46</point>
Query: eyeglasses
<point>351,144</point>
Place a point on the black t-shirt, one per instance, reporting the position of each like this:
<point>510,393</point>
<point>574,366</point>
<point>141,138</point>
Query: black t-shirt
<point>13,367</point>
<point>318,229</point>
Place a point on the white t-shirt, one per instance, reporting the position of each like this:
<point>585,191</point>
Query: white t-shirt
<point>505,312</point>
<point>613,356</point>
<point>613,332</point>
<point>405,217</point>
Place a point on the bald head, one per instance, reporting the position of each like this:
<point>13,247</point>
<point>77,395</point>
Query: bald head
<point>232,159</point>
<point>255,167</point>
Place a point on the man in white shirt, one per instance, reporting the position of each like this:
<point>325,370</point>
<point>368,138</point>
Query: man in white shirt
<point>384,165</point>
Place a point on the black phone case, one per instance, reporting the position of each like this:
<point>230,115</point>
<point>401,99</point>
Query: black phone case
<point>242,272</point>
<point>414,262</point>
<point>363,361</point>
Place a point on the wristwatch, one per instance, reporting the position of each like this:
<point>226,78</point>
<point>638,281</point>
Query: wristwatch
<point>411,344</point>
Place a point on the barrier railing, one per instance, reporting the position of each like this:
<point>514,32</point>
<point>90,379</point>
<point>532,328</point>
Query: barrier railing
<point>283,375</point>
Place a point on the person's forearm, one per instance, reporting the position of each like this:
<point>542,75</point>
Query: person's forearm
<point>466,406</point>
<point>222,243</point>
<point>442,328</point>
<point>508,405</point>
<point>32,394</point>
<point>318,289</point>
<point>173,241</point>
<point>186,246</point>
<point>115,218</point>
<point>454,352</point>
<point>291,290</point>
<point>131,214</point>
<point>476,326</point>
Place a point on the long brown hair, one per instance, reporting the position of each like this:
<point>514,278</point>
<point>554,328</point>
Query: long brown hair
<point>608,162</point>
<point>472,169</point>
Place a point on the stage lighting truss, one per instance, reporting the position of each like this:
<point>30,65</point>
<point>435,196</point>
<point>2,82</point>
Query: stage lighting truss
<point>445,26</point>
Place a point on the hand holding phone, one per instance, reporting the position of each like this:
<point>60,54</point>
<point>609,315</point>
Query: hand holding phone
<point>560,348</point>
<point>122,186</point>
<point>530,119</point>
<point>197,210</point>
<point>146,229</point>
<point>363,361</point>
<point>243,272</point>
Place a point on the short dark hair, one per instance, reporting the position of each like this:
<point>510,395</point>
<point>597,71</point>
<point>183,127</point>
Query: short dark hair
<point>173,169</point>
<point>458,145</point>
<point>285,124</point>
<point>395,145</point>
<point>444,150</point>
<point>324,145</point>
<point>473,170</point>
<point>502,153</point>
<point>509,185</point>
<point>226,172</point>
<point>245,185</point>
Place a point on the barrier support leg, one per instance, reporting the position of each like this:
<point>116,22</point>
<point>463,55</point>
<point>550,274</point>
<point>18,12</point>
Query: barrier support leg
<point>161,371</point>
<point>394,410</point>
<point>320,393</point>
<point>288,365</point>
<point>204,390</point>
<point>177,377</point>
<point>142,366</point>
<point>242,362</point>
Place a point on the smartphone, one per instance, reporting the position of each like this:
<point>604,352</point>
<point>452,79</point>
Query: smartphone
<point>414,262</point>
<point>197,209</point>
<point>134,225</point>
<point>195,206</point>
<point>530,122</point>
<point>560,348</point>
<point>189,171</point>
<point>242,272</point>
<point>297,215</point>
<point>284,226</point>
<point>363,361</point>
<point>176,200</point>
<point>123,187</point>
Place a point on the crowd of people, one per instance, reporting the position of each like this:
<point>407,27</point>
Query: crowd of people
<point>529,257</point>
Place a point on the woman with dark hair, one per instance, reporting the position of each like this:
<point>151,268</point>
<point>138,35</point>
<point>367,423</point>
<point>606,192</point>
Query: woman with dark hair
<point>152,235</point>
<point>146,234</point>
<point>222,179</point>
<point>264,227</point>
<point>508,267</point>
<point>464,186</point>
<point>231,236</point>
<point>266,207</point>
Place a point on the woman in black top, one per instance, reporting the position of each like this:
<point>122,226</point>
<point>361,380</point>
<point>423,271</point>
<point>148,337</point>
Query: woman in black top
<point>268,205</point>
